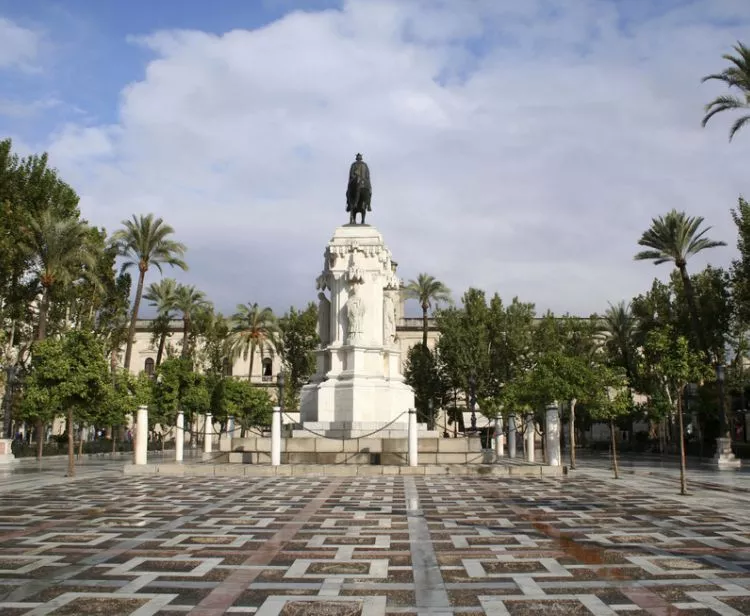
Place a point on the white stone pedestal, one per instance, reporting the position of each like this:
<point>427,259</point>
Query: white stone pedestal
<point>358,386</point>
<point>724,458</point>
<point>6,453</point>
<point>552,435</point>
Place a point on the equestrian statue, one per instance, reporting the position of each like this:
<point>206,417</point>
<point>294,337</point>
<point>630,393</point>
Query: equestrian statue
<point>358,191</point>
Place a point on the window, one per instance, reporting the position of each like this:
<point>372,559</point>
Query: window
<point>227,367</point>
<point>148,366</point>
<point>267,369</point>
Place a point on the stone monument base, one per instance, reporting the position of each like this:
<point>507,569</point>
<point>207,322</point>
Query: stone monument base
<point>724,458</point>
<point>6,453</point>
<point>359,429</point>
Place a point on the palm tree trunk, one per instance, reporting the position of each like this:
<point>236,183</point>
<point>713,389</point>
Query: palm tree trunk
<point>41,331</point>
<point>80,442</point>
<point>572,439</point>
<point>424,325</point>
<point>252,360</point>
<point>614,447</point>
<point>71,445</point>
<point>134,317</point>
<point>693,309</point>
<point>160,352</point>
<point>185,333</point>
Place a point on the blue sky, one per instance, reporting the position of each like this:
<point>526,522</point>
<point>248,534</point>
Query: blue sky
<point>521,147</point>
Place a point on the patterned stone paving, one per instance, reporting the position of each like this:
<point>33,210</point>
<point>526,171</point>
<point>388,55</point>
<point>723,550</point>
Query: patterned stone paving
<point>368,546</point>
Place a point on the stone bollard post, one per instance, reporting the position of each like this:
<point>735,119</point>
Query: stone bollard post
<point>208,433</point>
<point>529,432</point>
<point>552,434</point>
<point>179,438</point>
<point>141,435</point>
<point>413,441</point>
<point>499,438</point>
<point>512,432</point>
<point>276,436</point>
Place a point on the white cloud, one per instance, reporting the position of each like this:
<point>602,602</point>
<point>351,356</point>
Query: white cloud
<point>18,46</point>
<point>511,148</point>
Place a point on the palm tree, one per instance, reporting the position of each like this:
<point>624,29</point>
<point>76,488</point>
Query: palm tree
<point>735,76</point>
<point>162,296</point>
<point>254,328</point>
<point>619,327</point>
<point>60,253</point>
<point>675,237</point>
<point>188,300</point>
<point>427,291</point>
<point>144,241</point>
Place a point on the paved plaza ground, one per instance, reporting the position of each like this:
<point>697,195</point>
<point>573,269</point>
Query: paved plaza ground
<point>111,544</point>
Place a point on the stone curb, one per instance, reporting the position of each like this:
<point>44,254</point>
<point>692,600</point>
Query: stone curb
<point>344,470</point>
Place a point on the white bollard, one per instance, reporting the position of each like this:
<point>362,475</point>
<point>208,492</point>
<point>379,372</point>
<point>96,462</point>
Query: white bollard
<point>276,436</point>
<point>552,435</point>
<point>413,442</point>
<point>179,438</point>
<point>499,438</point>
<point>529,438</point>
<point>141,435</point>
<point>208,433</point>
<point>512,432</point>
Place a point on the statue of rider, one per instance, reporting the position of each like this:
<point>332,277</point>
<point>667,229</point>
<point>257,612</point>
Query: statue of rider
<point>359,189</point>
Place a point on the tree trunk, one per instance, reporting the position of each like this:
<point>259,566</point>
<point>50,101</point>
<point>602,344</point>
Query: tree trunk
<point>683,484</point>
<point>185,333</point>
<point>39,425</point>
<point>572,438</point>
<point>162,344</point>
<point>114,439</point>
<point>424,325</point>
<point>71,445</point>
<point>252,360</point>
<point>134,317</point>
<point>693,309</point>
<point>613,436</point>
<point>41,331</point>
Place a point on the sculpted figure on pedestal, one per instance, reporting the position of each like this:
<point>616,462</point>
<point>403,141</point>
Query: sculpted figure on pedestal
<point>355,312</point>
<point>358,190</point>
<point>324,320</point>
<point>389,320</point>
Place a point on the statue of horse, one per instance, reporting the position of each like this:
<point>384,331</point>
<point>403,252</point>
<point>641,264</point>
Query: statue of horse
<point>358,195</point>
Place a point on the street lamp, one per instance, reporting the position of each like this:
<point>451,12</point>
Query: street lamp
<point>724,430</point>
<point>473,400</point>
<point>10,383</point>
<point>280,381</point>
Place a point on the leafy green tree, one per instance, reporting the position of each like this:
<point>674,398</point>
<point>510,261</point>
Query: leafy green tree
<point>251,406</point>
<point>610,400</point>
<point>145,241</point>
<point>619,327</point>
<point>178,388</point>
<point>429,292</point>
<point>71,373</point>
<point>162,295</point>
<point>299,340</point>
<point>422,371</point>
<point>675,237</point>
<point>254,328</point>
<point>736,77</point>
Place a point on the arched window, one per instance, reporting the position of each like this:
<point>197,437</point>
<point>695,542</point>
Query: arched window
<point>267,369</point>
<point>148,366</point>
<point>227,367</point>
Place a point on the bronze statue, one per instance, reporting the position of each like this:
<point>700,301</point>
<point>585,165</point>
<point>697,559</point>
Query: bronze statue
<point>359,190</point>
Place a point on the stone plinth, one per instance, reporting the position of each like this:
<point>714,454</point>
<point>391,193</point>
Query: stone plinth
<point>358,386</point>
<point>724,458</point>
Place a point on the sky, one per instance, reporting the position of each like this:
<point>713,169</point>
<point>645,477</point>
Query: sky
<point>518,147</point>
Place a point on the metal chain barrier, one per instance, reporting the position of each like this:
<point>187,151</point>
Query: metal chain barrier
<point>336,438</point>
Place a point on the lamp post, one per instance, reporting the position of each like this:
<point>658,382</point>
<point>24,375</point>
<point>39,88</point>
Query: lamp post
<point>280,382</point>
<point>473,400</point>
<point>724,430</point>
<point>10,384</point>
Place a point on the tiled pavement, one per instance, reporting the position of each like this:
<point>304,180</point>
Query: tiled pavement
<point>348,546</point>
